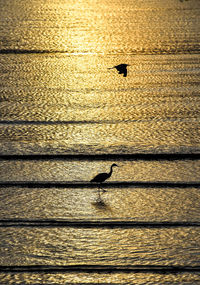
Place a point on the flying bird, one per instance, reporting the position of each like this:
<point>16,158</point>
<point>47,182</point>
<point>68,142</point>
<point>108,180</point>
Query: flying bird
<point>101,177</point>
<point>121,68</point>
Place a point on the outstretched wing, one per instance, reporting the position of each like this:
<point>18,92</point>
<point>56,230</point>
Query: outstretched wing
<point>125,72</point>
<point>121,69</point>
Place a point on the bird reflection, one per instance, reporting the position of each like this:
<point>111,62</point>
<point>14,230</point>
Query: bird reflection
<point>100,178</point>
<point>121,68</point>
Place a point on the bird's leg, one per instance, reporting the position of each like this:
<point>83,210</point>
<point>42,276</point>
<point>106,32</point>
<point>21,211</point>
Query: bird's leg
<point>99,195</point>
<point>103,190</point>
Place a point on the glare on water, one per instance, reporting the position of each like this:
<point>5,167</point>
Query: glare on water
<point>58,96</point>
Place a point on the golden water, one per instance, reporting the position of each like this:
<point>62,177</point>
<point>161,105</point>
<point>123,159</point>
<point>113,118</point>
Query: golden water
<point>58,97</point>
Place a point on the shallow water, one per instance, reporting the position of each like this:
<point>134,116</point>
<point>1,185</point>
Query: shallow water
<point>61,107</point>
<point>95,278</point>
<point>101,26</point>
<point>137,204</point>
<point>90,246</point>
<point>95,111</point>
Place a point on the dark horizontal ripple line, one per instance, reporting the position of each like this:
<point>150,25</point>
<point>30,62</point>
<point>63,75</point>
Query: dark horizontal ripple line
<point>93,223</point>
<point>63,184</point>
<point>27,51</point>
<point>113,156</point>
<point>194,50</point>
<point>72,122</point>
<point>100,268</point>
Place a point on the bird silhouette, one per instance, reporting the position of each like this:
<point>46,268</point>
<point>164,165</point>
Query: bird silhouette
<point>101,177</point>
<point>121,68</point>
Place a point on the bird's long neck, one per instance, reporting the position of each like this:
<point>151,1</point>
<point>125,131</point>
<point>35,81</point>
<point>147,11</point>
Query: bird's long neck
<point>111,170</point>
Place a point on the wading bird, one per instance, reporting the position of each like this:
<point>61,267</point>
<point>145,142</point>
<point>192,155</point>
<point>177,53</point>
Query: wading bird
<point>121,68</point>
<point>101,177</point>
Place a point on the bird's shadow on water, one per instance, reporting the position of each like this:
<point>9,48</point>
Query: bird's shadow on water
<point>99,202</point>
<point>101,205</point>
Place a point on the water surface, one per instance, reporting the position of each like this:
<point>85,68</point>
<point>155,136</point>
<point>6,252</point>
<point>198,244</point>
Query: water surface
<point>58,97</point>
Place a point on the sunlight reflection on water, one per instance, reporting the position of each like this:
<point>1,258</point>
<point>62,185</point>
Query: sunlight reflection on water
<point>57,96</point>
